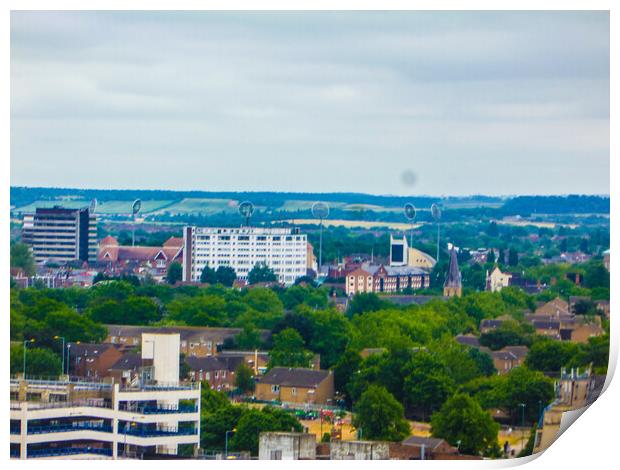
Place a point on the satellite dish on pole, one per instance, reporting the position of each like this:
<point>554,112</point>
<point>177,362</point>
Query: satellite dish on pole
<point>320,210</point>
<point>246,209</point>
<point>410,214</point>
<point>93,206</point>
<point>436,213</point>
<point>135,208</point>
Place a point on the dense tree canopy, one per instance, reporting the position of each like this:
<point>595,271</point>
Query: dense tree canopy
<point>463,423</point>
<point>379,416</point>
<point>261,273</point>
<point>21,257</point>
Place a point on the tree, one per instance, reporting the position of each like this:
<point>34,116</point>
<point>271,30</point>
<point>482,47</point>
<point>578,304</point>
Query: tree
<point>21,257</point>
<point>254,421</point>
<point>248,338</point>
<point>365,302</point>
<point>522,385</point>
<point>215,422</point>
<point>428,383</point>
<point>348,364</point>
<point>226,275</point>
<point>509,333</point>
<point>175,273</point>
<point>330,335</point>
<point>261,273</point>
<point>244,378</point>
<point>288,350</point>
<point>379,416</point>
<point>548,355</point>
<point>484,361</point>
<point>461,421</point>
<point>513,257</point>
<point>39,361</point>
<point>208,275</point>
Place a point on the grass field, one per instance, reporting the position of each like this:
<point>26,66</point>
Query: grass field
<point>107,207</point>
<point>203,206</point>
<point>525,223</point>
<point>353,223</point>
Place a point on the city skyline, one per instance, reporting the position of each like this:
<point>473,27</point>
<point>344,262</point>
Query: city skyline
<point>432,103</point>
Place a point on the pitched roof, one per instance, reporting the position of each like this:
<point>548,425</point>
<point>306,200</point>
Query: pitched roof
<point>491,323</point>
<point>295,377</point>
<point>109,241</point>
<point>89,349</point>
<point>453,279</point>
<point>468,340</point>
<point>186,332</point>
<point>518,351</point>
<point>173,242</point>
<point>128,361</point>
<point>205,363</point>
<point>546,325</point>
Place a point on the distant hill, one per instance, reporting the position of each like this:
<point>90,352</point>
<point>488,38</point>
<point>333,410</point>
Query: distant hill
<point>171,205</point>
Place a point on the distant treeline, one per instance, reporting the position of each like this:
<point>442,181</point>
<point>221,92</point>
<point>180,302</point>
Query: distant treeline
<point>575,204</point>
<point>272,201</point>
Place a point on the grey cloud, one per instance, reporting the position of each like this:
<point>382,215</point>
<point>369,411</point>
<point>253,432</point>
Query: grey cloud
<point>455,96</point>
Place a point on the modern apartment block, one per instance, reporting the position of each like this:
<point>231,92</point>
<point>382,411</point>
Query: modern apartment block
<point>284,250</point>
<point>152,415</point>
<point>61,235</point>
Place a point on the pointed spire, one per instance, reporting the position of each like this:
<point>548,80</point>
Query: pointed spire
<point>453,279</point>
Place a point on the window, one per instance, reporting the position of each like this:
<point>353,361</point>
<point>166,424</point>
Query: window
<point>275,455</point>
<point>275,388</point>
<point>293,391</point>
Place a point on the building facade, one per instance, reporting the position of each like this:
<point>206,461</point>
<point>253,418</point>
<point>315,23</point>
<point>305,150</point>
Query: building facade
<point>385,279</point>
<point>297,385</point>
<point>61,235</point>
<point>139,260</point>
<point>497,280</point>
<point>285,251</point>
<point>81,419</point>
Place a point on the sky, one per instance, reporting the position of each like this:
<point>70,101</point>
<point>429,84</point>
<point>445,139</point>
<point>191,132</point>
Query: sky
<point>407,103</point>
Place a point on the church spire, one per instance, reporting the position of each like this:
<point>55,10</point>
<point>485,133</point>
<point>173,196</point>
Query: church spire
<point>453,286</point>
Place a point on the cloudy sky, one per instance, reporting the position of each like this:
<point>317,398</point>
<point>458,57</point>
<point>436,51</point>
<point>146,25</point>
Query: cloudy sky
<point>458,103</point>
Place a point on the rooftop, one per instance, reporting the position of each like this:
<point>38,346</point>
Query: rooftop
<point>295,377</point>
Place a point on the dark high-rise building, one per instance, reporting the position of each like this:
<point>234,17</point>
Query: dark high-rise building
<point>61,235</point>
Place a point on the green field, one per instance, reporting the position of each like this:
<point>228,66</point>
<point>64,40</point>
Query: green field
<point>202,206</point>
<point>107,207</point>
<point>210,206</point>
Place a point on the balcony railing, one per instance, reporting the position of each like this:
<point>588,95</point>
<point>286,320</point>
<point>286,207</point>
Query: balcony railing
<point>151,410</point>
<point>58,452</point>
<point>157,432</point>
<point>62,404</point>
<point>68,428</point>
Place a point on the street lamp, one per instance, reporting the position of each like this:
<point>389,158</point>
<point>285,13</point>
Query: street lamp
<point>25,344</point>
<point>234,430</point>
<point>522,406</point>
<point>63,352</point>
<point>69,355</point>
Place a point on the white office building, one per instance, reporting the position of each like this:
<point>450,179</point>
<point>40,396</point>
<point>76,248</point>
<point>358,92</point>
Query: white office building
<point>284,250</point>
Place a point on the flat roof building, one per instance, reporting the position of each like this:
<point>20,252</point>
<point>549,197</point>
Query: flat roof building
<point>284,250</point>
<point>61,235</point>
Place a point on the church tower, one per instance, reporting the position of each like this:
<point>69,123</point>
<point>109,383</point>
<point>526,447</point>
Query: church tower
<point>453,287</point>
